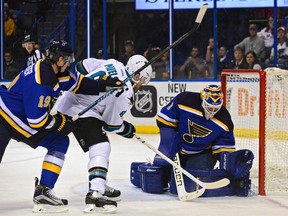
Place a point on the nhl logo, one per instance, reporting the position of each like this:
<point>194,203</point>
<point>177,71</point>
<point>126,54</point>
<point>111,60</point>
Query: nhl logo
<point>145,102</point>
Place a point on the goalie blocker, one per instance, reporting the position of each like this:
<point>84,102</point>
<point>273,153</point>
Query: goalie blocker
<point>234,166</point>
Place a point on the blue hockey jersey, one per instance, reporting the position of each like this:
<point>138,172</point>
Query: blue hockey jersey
<point>185,114</point>
<point>24,105</point>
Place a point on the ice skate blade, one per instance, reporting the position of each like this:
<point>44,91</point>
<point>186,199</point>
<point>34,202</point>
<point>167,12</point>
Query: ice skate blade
<point>116,199</point>
<point>41,208</point>
<point>108,209</point>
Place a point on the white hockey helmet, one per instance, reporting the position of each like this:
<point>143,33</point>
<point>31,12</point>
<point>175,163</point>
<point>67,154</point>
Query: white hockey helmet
<point>212,100</point>
<point>137,61</point>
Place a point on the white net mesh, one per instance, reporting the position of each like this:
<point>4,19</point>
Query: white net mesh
<point>242,100</point>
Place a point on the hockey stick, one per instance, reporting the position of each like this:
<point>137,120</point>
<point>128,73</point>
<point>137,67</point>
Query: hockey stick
<point>196,25</point>
<point>205,185</point>
<point>183,195</point>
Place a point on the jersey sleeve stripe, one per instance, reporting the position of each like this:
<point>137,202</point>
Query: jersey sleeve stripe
<point>220,124</point>
<point>81,77</point>
<point>37,72</point>
<point>189,109</point>
<point>13,81</point>
<point>223,150</point>
<point>14,125</point>
<point>40,124</point>
<point>168,123</point>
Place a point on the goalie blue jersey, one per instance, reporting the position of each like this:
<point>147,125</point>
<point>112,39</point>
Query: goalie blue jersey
<point>24,105</point>
<point>185,114</point>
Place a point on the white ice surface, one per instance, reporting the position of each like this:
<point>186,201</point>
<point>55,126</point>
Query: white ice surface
<point>21,164</point>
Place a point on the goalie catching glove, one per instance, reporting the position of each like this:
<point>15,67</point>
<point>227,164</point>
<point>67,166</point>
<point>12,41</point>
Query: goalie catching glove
<point>238,163</point>
<point>107,81</point>
<point>63,124</point>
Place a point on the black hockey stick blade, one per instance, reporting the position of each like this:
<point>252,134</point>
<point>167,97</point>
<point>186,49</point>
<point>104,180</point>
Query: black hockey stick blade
<point>196,25</point>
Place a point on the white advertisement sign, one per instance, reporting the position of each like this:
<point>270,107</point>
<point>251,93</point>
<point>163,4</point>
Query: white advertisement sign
<point>196,4</point>
<point>157,95</point>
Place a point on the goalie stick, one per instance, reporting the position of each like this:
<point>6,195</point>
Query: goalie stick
<point>205,185</point>
<point>183,195</point>
<point>196,25</point>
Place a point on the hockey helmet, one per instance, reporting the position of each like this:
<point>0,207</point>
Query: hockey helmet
<point>59,48</point>
<point>137,61</point>
<point>212,100</point>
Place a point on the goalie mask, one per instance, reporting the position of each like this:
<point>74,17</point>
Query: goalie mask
<point>212,100</point>
<point>134,63</point>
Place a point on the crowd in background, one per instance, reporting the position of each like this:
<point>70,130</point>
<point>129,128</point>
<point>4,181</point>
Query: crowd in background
<point>253,51</point>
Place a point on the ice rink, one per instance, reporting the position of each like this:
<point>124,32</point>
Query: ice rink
<point>21,164</point>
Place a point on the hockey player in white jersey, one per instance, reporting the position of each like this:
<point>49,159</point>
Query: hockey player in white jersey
<point>107,115</point>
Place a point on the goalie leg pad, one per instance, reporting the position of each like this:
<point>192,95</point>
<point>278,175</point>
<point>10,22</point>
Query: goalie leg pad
<point>151,178</point>
<point>238,187</point>
<point>135,174</point>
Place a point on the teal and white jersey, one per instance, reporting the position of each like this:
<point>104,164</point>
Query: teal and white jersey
<point>111,109</point>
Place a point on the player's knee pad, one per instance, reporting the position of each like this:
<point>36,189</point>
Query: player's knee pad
<point>238,163</point>
<point>99,159</point>
<point>99,154</point>
<point>238,187</point>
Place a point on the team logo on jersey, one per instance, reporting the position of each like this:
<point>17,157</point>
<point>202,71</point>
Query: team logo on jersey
<point>145,104</point>
<point>195,130</point>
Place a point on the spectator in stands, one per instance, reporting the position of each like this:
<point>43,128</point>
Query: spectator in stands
<point>9,29</point>
<point>209,66</point>
<point>239,62</point>
<point>252,61</point>
<point>282,50</point>
<point>253,43</point>
<point>222,60</point>
<point>193,67</point>
<point>129,51</point>
<point>159,68</point>
<point>210,50</point>
<point>267,35</point>
<point>11,67</point>
<point>34,54</point>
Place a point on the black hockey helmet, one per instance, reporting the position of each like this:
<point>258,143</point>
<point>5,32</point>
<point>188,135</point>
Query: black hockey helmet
<point>59,48</point>
<point>28,38</point>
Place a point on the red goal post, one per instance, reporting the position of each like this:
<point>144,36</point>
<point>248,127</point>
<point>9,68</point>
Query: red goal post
<point>258,106</point>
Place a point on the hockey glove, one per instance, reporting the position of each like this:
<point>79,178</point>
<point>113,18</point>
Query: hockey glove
<point>107,81</point>
<point>238,163</point>
<point>129,130</point>
<point>63,124</point>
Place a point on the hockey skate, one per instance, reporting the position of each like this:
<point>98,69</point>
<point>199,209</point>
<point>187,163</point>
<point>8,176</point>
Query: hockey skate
<point>96,202</point>
<point>45,201</point>
<point>112,193</point>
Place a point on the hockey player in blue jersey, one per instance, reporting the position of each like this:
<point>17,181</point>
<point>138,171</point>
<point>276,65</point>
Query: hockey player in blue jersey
<point>203,126</point>
<point>198,128</point>
<point>24,114</point>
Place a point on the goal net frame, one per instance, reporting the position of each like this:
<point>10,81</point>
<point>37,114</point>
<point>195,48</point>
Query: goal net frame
<point>262,115</point>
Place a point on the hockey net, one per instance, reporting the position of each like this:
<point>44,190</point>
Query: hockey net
<point>256,100</point>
